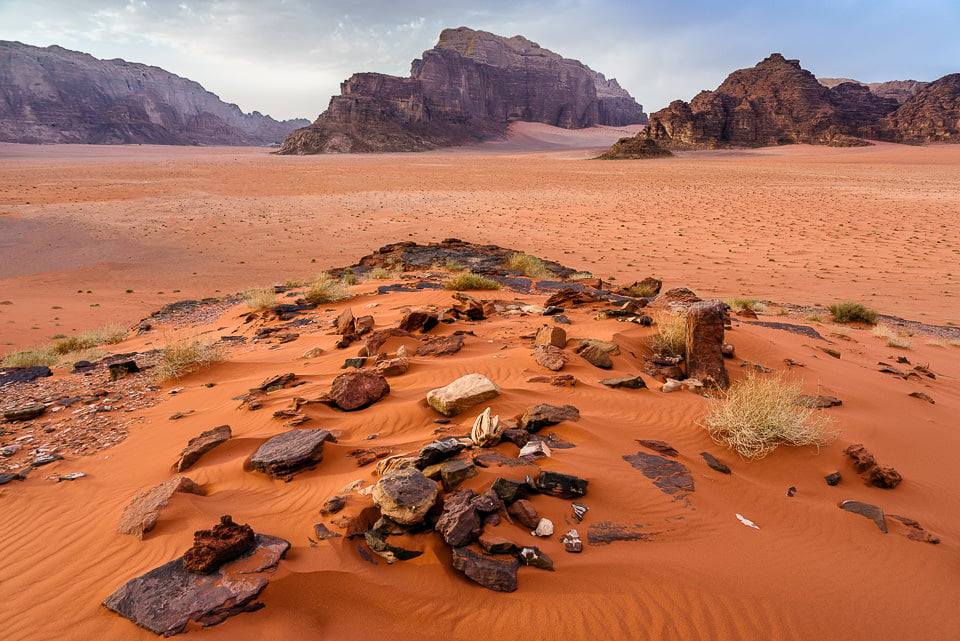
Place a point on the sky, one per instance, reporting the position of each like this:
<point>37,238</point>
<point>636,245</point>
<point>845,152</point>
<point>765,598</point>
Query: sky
<point>286,58</point>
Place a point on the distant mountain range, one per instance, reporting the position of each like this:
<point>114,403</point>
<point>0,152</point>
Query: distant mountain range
<point>54,95</point>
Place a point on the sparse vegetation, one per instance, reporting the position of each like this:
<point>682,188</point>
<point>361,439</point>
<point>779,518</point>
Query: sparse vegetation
<point>349,278</point>
<point>580,275</point>
<point>325,289</point>
<point>751,304</point>
<point>260,299</point>
<point>380,273</point>
<point>528,265</point>
<point>642,290</point>
<point>453,266</point>
<point>468,280</point>
<point>109,335</point>
<point>892,336</point>
<point>760,413</point>
<point>181,358</point>
<point>31,358</point>
<point>670,337</point>
<point>814,318</point>
<point>850,312</point>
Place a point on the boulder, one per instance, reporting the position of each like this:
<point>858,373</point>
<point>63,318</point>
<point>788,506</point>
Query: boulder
<point>460,523</point>
<point>463,393</point>
<point>493,574</point>
<point>200,445</point>
<point>539,416</point>
<point>290,452</point>
<point>509,490</point>
<point>212,548</point>
<point>357,389</point>
<point>440,346</point>
<point>166,599</point>
<point>547,335</point>
<point>405,495</point>
<point>141,514</point>
<point>595,356</point>
<point>561,485</point>
<point>25,412</point>
<point>704,357</point>
<point>553,358</point>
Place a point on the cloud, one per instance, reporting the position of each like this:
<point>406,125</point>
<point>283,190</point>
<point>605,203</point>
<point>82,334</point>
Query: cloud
<point>287,57</point>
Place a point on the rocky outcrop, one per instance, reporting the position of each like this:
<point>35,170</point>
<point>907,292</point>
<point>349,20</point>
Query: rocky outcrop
<point>704,342</point>
<point>635,148</point>
<point>469,87</point>
<point>54,95</point>
<point>899,90</point>
<point>932,115</point>
<point>775,102</point>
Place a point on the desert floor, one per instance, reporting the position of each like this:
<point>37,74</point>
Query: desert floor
<point>81,225</point>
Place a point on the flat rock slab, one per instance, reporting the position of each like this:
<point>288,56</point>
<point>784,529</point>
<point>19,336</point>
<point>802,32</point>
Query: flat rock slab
<point>462,393</point>
<point>200,445</point>
<point>672,477</point>
<point>561,485</point>
<point>660,447</point>
<point>440,346</point>
<point>493,574</point>
<point>23,374</point>
<point>543,415</point>
<point>25,412</point>
<point>867,510</point>
<point>291,452</point>
<point>405,495</point>
<point>818,402</point>
<point>632,382</point>
<point>715,464</point>
<point>141,515</point>
<point>166,599</point>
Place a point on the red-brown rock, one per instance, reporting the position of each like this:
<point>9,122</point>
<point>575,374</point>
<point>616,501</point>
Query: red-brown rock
<point>704,347</point>
<point>358,388</point>
<point>212,548</point>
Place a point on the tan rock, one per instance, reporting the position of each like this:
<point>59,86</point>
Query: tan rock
<point>462,393</point>
<point>142,513</point>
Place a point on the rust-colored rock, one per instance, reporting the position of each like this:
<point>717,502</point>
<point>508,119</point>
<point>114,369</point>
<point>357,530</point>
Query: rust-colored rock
<point>493,574</point>
<point>524,512</point>
<point>141,514</point>
<point>418,321</point>
<point>214,547</point>
<point>553,358</point>
<point>672,477</point>
<point>704,346</point>
<point>357,389</point>
<point>635,148</point>
<point>291,452</point>
<point>931,115</point>
<point>200,445</point>
<point>440,346</point>
<point>543,415</point>
<point>870,471</point>
<point>547,335</point>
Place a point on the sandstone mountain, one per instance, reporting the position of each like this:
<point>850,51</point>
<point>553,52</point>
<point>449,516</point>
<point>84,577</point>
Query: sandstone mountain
<point>899,90</point>
<point>469,87</point>
<point>932,115</point>
<point>775,102</point>
<point>54,95</point>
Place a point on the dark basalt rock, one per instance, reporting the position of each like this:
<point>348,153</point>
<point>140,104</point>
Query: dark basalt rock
<point>561,485</point>
<point>543,415</point>
<point>714,464</point>
<point>534,557</point>
<point>291,452</point>
<point>632,382</point>
<point>166,599</point>
<point>439,450</point>
<point>200,445</point>
<point>672,477</point>
<point>23,374</point>
<point>661,447</point>
<point>493,574</point>
<point>832,479</point>
<point>460,522</point>
<point>212,548</point>
<point>509,490</point>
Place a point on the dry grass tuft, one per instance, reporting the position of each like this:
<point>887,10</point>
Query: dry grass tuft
<point>380,273</point>
<point>260,299</point>
<point>109,335</point>
<point>528,265</point>
<point>31,358</point>
<point>181,358</point>
<point>751,304</point>
<point>670,337</point>
<point>892,336</point>
<point>325,289</point>
<point>468,280</point>
<point>641,290</point>
<point>580,275</point>
<point>760,413</point>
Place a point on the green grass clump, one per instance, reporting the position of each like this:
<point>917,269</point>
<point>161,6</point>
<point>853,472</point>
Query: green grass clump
<point>850,312</point>
<point>325,289</point>
<point>468,280</point>
<point>260,299</point>
<point>181,358</point>
<point>760,413</point>
<point>670,337</point>
<point>528,265</point>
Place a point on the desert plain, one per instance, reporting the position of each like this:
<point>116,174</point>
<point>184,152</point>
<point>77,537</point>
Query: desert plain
<point>808,226</point>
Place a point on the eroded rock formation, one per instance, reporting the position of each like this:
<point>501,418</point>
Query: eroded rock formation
<point>931,115</point>
<point>469,87</point>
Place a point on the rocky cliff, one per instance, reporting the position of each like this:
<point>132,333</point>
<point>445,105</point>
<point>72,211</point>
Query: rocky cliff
<point>469,87</point>
<point>53,95</point>
<point>899,90</point>
<point>775,102</point>
<point>932,115</point>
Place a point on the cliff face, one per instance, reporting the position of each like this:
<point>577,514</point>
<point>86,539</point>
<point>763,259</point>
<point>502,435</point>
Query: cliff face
<point>932,115</point>
<point>53,95</point>
<point>470,86</point>
<point>775,102</point>
<point>899,90</point>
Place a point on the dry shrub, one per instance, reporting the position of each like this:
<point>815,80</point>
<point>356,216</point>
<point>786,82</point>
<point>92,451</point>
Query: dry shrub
<point>181,358</point>
<point>380,273</point>
<point>891,336</point>
<point>850,312</point>
<point>670,337</point>
<point>325,289</point>
<point>31,358</point>
<point>468,280</point>
<point>260,299</point>
<point>751,304</point>
<point>528,265</point>
<point>760,413</point>
<point>642,290</point>
<point>453,266</point>
<point>109,335</point>
<point>580,275</point>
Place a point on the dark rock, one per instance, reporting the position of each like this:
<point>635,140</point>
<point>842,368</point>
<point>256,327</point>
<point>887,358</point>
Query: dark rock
<point>922,396</point>
<point>290,452</point>
<point>930,115</point>
<point>607,532</point>
<point>561,485</point>
<point>818,402</point>
<point>660,447</point>
<point>26,412</point>
<point>6,477</point>
<point>517,436</point>
<point>212,548</point>
<point>915,531</point>
<point>493,574</point>
<point>439,450</point>
<point>571,542</point>
<point>493,544</point>
<point>405,495</point>
<point>422,321</point>
<point>534,557</point>
<point>357,389</point>
<point>553,358</point>
<point>141,514</point>
<point>200,445</point>
<point>714,464</point>
<point>872,512</point>
<point>561,319</point>
<point>579,510</point>
<point>791,491</point>
<point>524,512</point>
<point>45,459</point>
<point>509,490</point>
<point>632,382</point>
<point>863,460</point>
<point>440,346</point>
<point>333,505</point>
<point>322,532</point>
<point>832,479</point>
<point>455,472</point>
<point>375,340</point>
<point>672,477</point>
<point>539,416</point>
<point>120,371</point>
<point>356,362</point>
<point>595,356</point>
<point>23,374</point>
<point>705,322</point>
<point>460,522</point>
<point>366,456</point>
<point>868,468</point>
<point>167,598</point>
<point>377,540</point>
<point>277,382</point>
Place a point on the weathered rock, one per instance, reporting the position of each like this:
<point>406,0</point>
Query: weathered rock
<point>345,322</point>
<point>704,358</point>
<point>393,366</point>
<point>375,340</point>
<point>517,436</point>
<point>367,455</point>
<point>212,548</point>
<point>579,510</point>
<point>405,495</point>
<point>357,389</point>
<point>570,296</point>
<point>290,452</point>
<point>539,416</point>
<point>440,346</point>
<point>571,542</point>
<point>493,574</point>
<point>200,445</point>
<point>635,148</point>
<point>26,412</point>
<point>832,479</point>
<point>167,598</point>
<point>23,374</point>
<point>6,477</point>
<point>534,557</point>
<point>547,335</point>
<point>660,447</point>
<point>533,450</point>
<point>460,522</point>
<point>418,320</point>
<point>509,490</point>
<point>631,382</point>
<point>333,504</point>
<point>922,396</point>
<point>595,356</point>
<point>119,371</point>
<point>818,402</point>
<point>455,472</point>
<point>322,532</point>
<point>868,468</point>
<point>544,528</point>
<point>462,393</point>
<point>487,430</point>
<point>141,514</point>
<point>714,464</point>
<point>277,381</point>
<point>561,380</point>
<point>377,540</point>
<point>553,358</point>
<point>493,544</point>
<point>524,512</point>
<point>930,115</point>
<point>439,450</point>
<point>915,531</point>
<point>872,512</point>
<point>672,477</point>
<point>355,362</point>
<point>561,485</point>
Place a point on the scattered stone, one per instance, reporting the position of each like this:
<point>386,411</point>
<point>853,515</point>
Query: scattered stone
<point>366,456</point>
<point>560,319</point>
<point>595,356</point>
<point>405,495</point>
<point>544,528</point>
<point>277,382</point>
<point>543,415</point>
<point>561,485</point>
<point>553,336</point>
<point>73,476</point>
<point>345,322</point>
<point>672,477</point>
<point>632,382</point>
<point>818,402</point>
<point>727,350</point>
<point>167,598</point>
<point>571,542</point>
<point>440,346</point>
<point>200,445</point>
<point>141,514</point>
<point>422,321</point>
<point>377,541</point>
<point>45,459</point>
<point>455,472</point>
<point>671,386</point>
<point>355,362</point>
<point>791,491</point>
<point>493,574</point>
<point>872,512</point>
<point>536,558</point>
<point>6,477</point>
<point>561,380</point>
<point>661,447</point>
<point>492,544</point>
<point>322,532</point>
<point>829,351</point>
<point>461,394</point>
<point>525,513</point>
<point>553,358</point>
<point>509,490</point>
<point>333,504</point>
<point>26,412</point>
<point>393,366</point>
<point>313,352</point>
<point>375,340</point>
<point>439,450</point>
<point>922,397</point>
<point>534,449</point>
<point>747,521</point>
<point>570,296</point>
<point>705,322</point>
<point>714,464</point>
<point>579,510</point>
<point>914,530</point>
<point>176,416</point>
<point>487,430</point>
<point>460,523</point>
<point>682,295</point>
<point>212,548</point>
<point>291,452</point>
<point>357,389</point>
<point>9,450</point>
<point>868,468</point>
<point>832,479</point>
